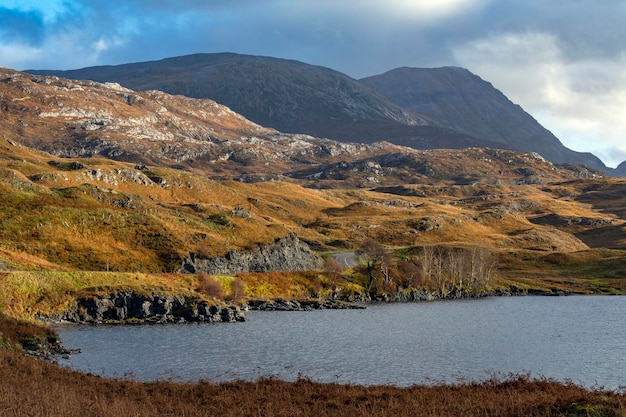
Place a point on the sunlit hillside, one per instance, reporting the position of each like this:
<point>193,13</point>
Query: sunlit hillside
<point>96,213</point>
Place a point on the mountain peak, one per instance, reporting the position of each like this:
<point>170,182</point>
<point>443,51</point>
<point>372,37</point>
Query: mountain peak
<point>424,108</point>
<point>456,98</point>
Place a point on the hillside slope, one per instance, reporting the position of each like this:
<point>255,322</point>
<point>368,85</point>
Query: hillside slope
<point>138,181</point>
<point>85,119</point>
<point>420,108</point>
<point>287,95</point>
<point>457,99</point>
<point>92,214</point>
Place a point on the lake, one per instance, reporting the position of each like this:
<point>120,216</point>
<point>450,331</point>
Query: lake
<point>576,338</point>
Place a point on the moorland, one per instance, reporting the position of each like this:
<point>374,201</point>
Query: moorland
<point>106,189</point>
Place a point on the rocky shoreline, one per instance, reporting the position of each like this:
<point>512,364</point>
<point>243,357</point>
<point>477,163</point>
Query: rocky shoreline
<point>130,307</point>
<point>294,305</point>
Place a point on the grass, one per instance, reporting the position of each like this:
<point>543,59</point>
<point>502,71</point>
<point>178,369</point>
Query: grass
<point>595,271</point>
<point>26,293</point>
<point>74,219</point>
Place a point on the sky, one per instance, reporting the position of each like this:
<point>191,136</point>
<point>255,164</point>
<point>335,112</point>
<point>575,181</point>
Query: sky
<point>563,61</point>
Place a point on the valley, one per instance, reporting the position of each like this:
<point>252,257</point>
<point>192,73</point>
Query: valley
<point>115,201</point>
<point>96,177</point>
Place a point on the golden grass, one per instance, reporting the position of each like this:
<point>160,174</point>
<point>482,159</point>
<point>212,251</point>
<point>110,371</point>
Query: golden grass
<point>54,218</point>
<point>285,285</point>
<point>596,271</point>
<point>48,292</point>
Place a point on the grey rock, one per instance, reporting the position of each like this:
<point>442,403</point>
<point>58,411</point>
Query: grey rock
<point>286,254</point>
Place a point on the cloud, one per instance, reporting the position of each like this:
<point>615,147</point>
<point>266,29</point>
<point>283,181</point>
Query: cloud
<point>562,61</point>
<point>18,26</point>
<point>582,101</point>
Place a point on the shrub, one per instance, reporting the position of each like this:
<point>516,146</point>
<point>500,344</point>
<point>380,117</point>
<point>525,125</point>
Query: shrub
<point>209,287</point>
<point>237,291</point>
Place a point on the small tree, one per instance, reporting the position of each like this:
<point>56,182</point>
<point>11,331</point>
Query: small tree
<point>332,270</point>
<point>209,287</point>
<point>378,258</point>
<point>411,274</point>
<point>237,290</point>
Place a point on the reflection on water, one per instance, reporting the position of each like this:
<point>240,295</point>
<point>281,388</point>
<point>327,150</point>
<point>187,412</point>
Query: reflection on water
<point>566,338</point>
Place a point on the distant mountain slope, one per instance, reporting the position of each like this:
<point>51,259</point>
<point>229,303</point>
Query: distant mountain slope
<point>455,98</point>
<point>287,95</point>
<point>83,119</point>
<point>419,108</point>
<point>71,119</point>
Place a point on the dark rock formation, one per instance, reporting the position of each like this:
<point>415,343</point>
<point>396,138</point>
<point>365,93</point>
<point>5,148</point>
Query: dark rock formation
<point>131,307</point>
<point>294,305</point>
<point>285,254</point>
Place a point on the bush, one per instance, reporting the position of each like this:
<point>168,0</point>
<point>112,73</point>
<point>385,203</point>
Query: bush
<point>209,287</point>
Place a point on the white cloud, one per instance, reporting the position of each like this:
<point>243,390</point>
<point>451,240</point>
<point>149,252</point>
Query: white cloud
<point>66,50</point>
<point>583,101</point>
<point>383,12</point>
<point>420,9</point>
<point>104,44</point>
<point>20,56</point>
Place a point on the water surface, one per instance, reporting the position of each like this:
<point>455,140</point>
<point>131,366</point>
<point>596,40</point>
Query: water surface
<point>578,338</point>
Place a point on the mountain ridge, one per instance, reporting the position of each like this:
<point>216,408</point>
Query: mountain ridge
<point>458,99</point>
<point>296,97</point>
<point>72,119</point>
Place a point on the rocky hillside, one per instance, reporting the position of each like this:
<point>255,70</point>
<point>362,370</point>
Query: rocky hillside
<point>420,108</point>
<point>142,181</point>
<point>457,99</point>
<point>86,119</point>
<point>287,95</point>
<point>98,214</point>
<point>78,119</point>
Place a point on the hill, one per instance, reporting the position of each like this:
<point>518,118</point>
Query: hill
<point>457,99</point>
<point>140,180</point>
<point>147,182</point>
<point>456,108</point>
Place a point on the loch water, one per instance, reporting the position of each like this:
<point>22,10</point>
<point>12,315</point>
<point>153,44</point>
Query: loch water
<point>581,339</point>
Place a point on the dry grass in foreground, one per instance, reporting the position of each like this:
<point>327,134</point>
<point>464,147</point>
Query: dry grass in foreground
<point>37,388</point>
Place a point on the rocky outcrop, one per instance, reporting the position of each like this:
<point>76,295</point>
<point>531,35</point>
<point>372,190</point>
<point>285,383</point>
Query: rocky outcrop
<point>294,305</point>
<point>131,307</point>
<point>285,254</point>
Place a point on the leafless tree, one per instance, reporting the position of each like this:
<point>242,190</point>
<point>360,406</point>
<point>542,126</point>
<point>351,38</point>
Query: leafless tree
<point>332,270</point>
<point>378,258</point>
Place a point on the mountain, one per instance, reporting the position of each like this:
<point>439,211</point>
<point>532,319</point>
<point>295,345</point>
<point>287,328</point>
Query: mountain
<point>141,180</point>
<point>455,98</point>
<point>79,119</point>
<point>69,118</point>
<point>416,107</point>
<point>289,96</point>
